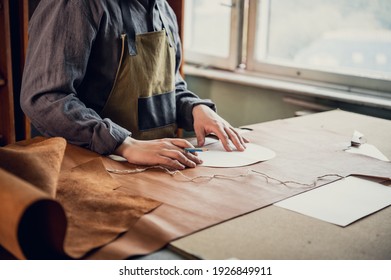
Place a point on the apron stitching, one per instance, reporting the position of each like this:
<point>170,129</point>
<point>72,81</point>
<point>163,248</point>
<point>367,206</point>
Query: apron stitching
<point>160,127</point>
<point>156,94</point>
<point>123,37</point>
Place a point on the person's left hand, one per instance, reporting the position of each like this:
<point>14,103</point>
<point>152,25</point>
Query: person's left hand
<point>207,121</point>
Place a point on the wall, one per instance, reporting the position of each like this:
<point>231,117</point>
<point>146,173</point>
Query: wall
<point>242,105</point>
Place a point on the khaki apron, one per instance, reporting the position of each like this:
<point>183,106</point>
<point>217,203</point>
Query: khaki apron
<point>142,99</point>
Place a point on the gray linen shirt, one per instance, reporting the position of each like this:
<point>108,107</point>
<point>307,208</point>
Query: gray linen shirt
<point>72,58</point>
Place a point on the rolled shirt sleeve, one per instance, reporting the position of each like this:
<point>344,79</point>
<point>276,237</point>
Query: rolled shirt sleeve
<point>71,62</point>
<point>61,38</point>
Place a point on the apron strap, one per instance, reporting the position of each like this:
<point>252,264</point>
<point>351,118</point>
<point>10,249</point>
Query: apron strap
<point>129,28</point>
<point>166,26</point>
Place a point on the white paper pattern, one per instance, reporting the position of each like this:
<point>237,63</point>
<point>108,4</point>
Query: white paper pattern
<point>216,156</point>
<point>341,202</point>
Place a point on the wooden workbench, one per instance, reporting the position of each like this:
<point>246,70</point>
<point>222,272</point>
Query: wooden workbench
<point>276,233</point>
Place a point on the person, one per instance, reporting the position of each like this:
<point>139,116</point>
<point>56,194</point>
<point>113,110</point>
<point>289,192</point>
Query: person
<point>104,75</point>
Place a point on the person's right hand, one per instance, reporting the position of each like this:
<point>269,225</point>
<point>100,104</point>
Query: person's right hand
<point>167,152</point>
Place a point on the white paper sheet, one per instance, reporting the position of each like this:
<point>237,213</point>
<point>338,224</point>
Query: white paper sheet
<point>341,202</point>
<point>216,156</point>
<point>117,158</point>
<point>208,141</point>
<point>368,150</point>
<point>211,139</point>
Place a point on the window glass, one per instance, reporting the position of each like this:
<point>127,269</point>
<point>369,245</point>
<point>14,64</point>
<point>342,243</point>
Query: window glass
<point>340,36</point>
<point>208,25</point>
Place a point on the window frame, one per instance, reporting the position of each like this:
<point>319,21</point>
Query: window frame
<point>342,81</point>
<point>235,44</point>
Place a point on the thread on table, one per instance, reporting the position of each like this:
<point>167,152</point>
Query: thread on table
<point>207,178</point>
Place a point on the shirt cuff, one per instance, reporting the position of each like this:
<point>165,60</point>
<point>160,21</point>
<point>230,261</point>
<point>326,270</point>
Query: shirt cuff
<point>107,140</point>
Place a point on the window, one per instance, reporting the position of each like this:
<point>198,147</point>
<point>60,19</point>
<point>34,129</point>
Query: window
<point>214,29</point>
<point>339,43</point>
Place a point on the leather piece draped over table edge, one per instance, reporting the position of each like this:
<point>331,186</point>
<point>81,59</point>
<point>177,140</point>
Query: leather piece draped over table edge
<point>303,156</point>
<point>48,214</point>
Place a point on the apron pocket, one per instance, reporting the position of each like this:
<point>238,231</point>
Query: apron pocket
<point>156,111</point>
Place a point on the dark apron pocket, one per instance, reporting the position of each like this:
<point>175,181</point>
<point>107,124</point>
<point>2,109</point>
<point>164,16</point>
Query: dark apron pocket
<point>156,111</point>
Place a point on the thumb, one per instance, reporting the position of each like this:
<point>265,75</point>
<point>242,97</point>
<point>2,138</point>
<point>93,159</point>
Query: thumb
<point>200,133</point>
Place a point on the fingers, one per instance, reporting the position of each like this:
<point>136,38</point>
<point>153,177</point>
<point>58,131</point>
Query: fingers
<point>172,154</point>
<point>228,134</point>
<point>236,138</point>
<point>177,160</point>
<point>165,152</point>
<point>245,140</point>
<point>181,143</point>
<point>200,134</point>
